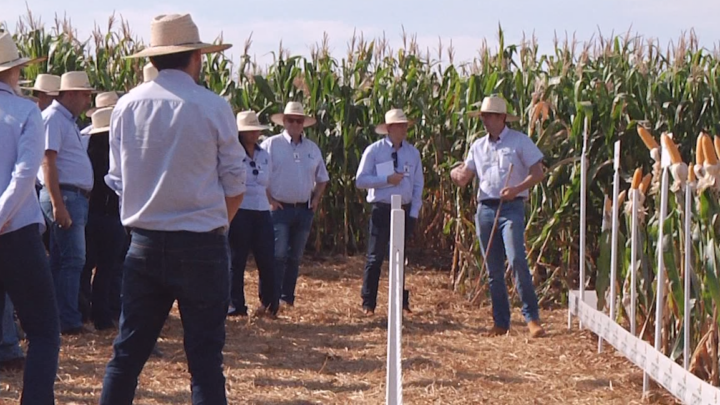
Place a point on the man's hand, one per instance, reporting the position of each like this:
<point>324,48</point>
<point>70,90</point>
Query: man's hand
<point>275,204</point>
<point>395,178</point>
<point>461,175</point>
<point>314,203</point>
<point>509,193</point>
<point>62,216</point>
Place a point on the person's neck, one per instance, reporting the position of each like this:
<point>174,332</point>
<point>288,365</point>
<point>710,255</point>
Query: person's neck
<point>396,144</point>
<point>68,106</point>
<point>495,136</point>
<point>249,149</point>
<point>296,138</point>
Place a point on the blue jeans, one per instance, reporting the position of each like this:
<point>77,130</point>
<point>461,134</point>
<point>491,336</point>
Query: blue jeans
<point>106,241</point>
<point>161,267</point>
<point>10,344</point>
<point>253,231</point>
<point>509,240</point>
<point>67,254</point>
<point>378,249</point>
<point>25,276</point>
<point>292,228</point>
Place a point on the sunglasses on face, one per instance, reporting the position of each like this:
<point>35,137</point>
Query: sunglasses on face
<point>295,120</point>
<point>254,166</point>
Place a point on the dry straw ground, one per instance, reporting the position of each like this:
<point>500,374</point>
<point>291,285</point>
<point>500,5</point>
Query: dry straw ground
<point>323,352</point>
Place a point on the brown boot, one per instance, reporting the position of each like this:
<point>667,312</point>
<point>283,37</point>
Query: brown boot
<point>497,331</point>
<point>536,330</point>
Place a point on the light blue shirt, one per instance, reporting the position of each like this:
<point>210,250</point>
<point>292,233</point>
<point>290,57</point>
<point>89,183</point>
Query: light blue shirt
<point>174,156</point>
<point>21,153</point>
<point>256,194</point>
<point>296,168</point>
<point>379,190</point>
<point>63,136</point>
<point>491,161</point>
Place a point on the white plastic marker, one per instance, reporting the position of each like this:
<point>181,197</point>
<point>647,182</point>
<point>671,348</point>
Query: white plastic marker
<point>583,212</point>
<point>613,235</point>
<point>660,299</point>
<point>633,261</point>
<point>688,272</point>
<point>397,262</point>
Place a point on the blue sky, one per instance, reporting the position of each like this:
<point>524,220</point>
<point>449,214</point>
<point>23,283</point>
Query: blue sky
<point>301,23</point>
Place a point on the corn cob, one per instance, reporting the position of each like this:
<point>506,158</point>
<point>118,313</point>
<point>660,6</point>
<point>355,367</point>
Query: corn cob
<point>691,173</point>
<point>709,151</point>
<point>699,155</point>
<point>647,138</point>
<point>671,148</point>
<point>645,185</point>
<point>637,179</point>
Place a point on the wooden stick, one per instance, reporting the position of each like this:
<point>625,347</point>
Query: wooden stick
<point>492,236</point>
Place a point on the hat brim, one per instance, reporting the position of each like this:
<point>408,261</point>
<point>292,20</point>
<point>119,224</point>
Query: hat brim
<point>170,49</point>
<point>249,128</point>
<point>92,110</point>
<point>382,129</point>
<point>49,93</point>
<point>99,130</point>
<point>20,63</point>
<point>278,119</point>
<point>79,89</point>
<point>508,117</point>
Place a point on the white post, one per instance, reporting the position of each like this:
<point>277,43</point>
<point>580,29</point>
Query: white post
<point>633,261</point>
<point>583,212</point>
<point>688,270</point>
<point>397,263</point>
<point>614,235</point>
<point>659,300</point>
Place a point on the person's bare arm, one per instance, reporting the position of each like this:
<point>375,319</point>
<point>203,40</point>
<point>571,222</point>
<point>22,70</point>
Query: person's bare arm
<point>461,175</point>
<point>535,176</point>
<point>52,184</point>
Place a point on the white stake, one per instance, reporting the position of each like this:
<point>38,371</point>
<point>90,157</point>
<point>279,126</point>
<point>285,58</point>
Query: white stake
<point>583,212</point>
<point>397,263</point>
<point>688,270</point>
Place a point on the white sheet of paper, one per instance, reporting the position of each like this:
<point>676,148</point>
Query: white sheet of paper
<point>385,169</point>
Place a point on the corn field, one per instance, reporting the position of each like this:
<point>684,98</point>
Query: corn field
<point>615,83</point>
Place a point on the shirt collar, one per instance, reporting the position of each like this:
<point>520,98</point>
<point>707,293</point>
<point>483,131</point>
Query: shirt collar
<point>64,111</point>
<point>177,76</point>
<point>389,143</point>
<point>5,87</point>
<point>502,135</point>
<point>289,138</point>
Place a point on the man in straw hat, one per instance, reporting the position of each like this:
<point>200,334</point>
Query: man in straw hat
<point>176,162</point>
<point>252,227</point>
<point>67,178</point>
<point>388,166</point>
<point>507,164</point>
<point>105,234</point>
<point>25,272</point>
<point>45,89</point>
<point>297,183</point>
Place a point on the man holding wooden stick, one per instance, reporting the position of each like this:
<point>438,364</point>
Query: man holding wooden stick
<point>507,164</point>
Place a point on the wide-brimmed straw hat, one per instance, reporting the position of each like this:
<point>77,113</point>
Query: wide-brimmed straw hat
<point>46,83</point>
<point>104,100</point>
<point>294,109</point>
<point>75,81</point>
<point>101,120</point>
<point>150,72</point>
<point>10,56</point>
<point>248,121</point>
<point>174,33</point>
<point>494,105</point>
<point>394,116</point>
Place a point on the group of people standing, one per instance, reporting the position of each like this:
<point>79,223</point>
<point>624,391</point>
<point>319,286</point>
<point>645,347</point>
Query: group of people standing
<point>167,192</point>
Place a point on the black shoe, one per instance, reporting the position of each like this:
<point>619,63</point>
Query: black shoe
<point>80,330</point>
<point>100,326</point>
<point>156,352</point>
<point>238,312</point>
<point>16,364</point>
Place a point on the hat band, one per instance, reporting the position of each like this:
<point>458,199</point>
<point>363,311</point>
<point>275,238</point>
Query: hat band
<point>11,61</point>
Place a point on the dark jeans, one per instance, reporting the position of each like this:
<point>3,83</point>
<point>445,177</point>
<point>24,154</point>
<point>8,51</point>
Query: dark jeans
<point>509,239</point>
<point>161,267</point>
<point>25,276</point>
<point>106,241</point>
<point>67,254</point>
<point>378,249</point>
<point>253,231</point>
<point>292,229</point>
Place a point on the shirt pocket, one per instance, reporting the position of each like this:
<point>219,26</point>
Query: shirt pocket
<point>506,157</point>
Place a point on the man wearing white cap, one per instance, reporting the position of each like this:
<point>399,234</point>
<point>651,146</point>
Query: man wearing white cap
<point>25,272</point>
<point>297,184</point>
<point>67,178</point>
<point>504,154</point>
<point>177,164</point>
<point>45,89</point>
<point>102,100</point>
<point>389,166</point>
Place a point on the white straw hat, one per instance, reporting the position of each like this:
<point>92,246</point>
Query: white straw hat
<point>9,55</point>
<point>45,83</point>
<point>394,116</point>
<point>174,33</point>
<point>149,73</point>
<point>293,108</point>
<point>75,81</point>
<point>494,105</point>
<point>101,120</point>
<point>103,100</point>
<point>248,121</point>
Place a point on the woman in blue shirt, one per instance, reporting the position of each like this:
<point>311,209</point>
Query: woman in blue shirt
<point>252,228</point>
